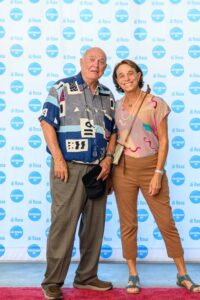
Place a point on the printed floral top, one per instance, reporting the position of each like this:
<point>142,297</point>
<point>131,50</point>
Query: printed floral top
<point>143,138</point>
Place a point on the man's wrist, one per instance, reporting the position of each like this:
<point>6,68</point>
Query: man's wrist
<point>110,155</point>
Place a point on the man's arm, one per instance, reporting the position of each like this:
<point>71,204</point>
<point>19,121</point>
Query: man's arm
<point>107,161</point>
<point>60,165</point>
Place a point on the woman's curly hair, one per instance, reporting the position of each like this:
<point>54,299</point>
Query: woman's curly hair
<point>133,65</point>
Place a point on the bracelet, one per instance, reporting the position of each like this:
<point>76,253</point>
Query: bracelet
<point>159,171</point>
<point>109,154</point>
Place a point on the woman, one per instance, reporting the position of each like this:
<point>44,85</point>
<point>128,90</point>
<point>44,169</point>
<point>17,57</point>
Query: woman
<point>141,167</point>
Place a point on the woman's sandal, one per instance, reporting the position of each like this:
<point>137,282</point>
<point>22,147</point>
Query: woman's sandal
<point>134,283</point>
<point>180,280</point>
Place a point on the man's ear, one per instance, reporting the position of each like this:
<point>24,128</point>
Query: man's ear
<point>105,67</point>
<point>81,62</point>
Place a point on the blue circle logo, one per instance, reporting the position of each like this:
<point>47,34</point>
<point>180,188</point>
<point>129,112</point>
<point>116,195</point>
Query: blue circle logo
<point>103,1</point>
<point>48,161</point>
<point>195,161</point>
<point>2,141</point>
<point>142,251</point>
<point>159,88</point>
<point>35,141</point>
<point>48,197</point>
<point>106,251</point>
<point>52,51</point>
<point>194,51</point>
<point>34,214</point>
<point>16,50</point>
<point>175,1</point>
<point>84,48</point>
<point>177,70</point>
<point>86,15</point>
<point>121,15</point>
<point>35,105</point>
<point>2,177</point>
<point>34,177</point>
<point>194,233</point>
<point>17,123</point>
<point>16,232</point>
<point>69,69</point>
<point>68,1</point>
<point>157,15</point>
<point>34,32</point>
<point>108,215</point>
<point>104,34</point>
<point>47,231</point>
<point>2,104</point>
<point>193,15</point>
<point>17,196</point>
<point>157,234</point>
<point>33,250</point>
<point>122,52</point>
<point>195,197</point>
<point>158,52</point>
<point>107,71</point>
<point>195,124</point>
<point>140,34</point>
<point>2,213</point>
<point>142,215</point>
<point>178,178</point>
<point>17,86</point>
<point>139,1</point>
<point>178,106</point>
<point>52,14</point>
<point>2,32</point>
<point>2,250</point>
<point>69,33</point>
<point>49,85</point>
<point>119,233</point>
<point>178,142</point>
<point>194,87</point>
<point>176,33</point>
<point>144,69</point>
<point>17,160</point>
<point>73,251</point>
<point>34,69</point>
<point>2,68</point>
<point>178,215</point>
<point>16,14</point>
<point>34,1</point>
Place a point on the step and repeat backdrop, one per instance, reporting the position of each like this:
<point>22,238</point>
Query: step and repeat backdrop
<point>42,41</point>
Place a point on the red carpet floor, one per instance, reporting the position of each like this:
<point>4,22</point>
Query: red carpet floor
<point>115,294</point>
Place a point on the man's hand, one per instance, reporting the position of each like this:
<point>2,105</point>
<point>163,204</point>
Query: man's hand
<point>61,169</point>
<point>106,166</point>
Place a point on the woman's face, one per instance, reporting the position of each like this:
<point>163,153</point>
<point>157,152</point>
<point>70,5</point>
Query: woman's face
<point>128,78</point>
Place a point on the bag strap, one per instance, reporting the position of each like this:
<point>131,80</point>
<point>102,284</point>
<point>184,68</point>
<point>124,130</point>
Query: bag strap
<point>133,121</point>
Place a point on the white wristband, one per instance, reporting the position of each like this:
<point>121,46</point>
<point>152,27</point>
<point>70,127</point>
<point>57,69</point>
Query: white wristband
<point>159,171</point>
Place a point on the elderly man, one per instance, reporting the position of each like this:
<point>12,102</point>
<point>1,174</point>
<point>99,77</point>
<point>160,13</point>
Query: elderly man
<point>78,125</point>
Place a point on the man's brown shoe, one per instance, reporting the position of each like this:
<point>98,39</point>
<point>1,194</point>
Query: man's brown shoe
<point>96,285</point>
<point>52,292</point>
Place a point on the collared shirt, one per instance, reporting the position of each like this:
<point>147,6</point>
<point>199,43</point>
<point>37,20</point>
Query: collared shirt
<point>83,122</point>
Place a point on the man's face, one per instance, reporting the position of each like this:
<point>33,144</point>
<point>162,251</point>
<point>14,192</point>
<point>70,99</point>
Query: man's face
<point>93,64</point>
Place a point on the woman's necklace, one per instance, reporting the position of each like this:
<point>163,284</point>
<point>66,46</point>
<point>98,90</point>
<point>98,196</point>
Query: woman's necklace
<point>125,114</point>
<point>130,104</point>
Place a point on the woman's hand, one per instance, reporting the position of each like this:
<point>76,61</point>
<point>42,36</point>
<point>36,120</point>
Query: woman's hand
<point>155,184</point>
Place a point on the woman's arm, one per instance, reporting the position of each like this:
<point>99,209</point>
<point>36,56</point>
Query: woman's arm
<point>156,182</point>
